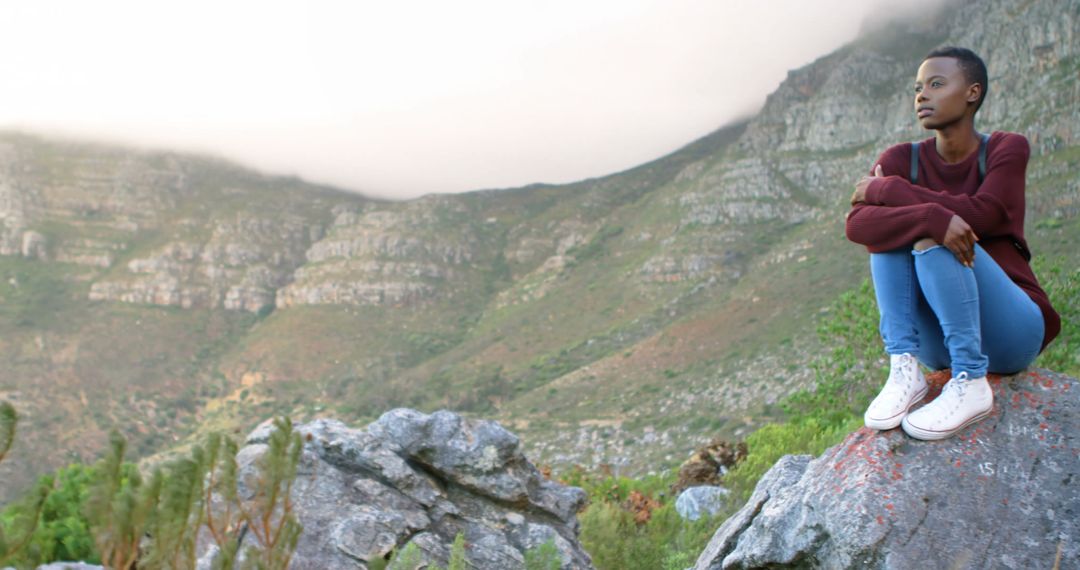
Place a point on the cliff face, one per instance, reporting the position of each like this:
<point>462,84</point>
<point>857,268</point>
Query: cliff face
<point>156,229</point>
<point>601,319</point>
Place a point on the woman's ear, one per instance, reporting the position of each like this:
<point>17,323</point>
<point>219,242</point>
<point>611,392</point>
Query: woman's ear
<point>974,92</point>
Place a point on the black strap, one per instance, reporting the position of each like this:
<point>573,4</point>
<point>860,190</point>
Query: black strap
<point>914,161</point>
<point>982,156</point>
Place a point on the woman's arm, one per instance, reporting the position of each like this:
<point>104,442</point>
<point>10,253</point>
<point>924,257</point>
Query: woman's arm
<point>882,228</point>
<point>989,211</point>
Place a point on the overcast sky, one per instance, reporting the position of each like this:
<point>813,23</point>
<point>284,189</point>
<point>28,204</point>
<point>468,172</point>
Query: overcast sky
<point>405,98</point>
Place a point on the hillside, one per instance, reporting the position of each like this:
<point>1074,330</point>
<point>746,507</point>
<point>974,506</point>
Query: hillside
<point>619,320</point>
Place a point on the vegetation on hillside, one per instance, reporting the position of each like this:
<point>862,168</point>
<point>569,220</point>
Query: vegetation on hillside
<point>104,513</point>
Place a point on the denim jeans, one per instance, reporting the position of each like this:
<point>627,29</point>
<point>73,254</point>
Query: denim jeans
<point>948,315</point>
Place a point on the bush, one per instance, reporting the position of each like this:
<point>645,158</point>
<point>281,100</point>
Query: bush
<point>18,524</point>
<point>632,523</point>
<point>1062,284</point>
<point>543,557</point>
<point>62,532</point>
<point>105,513</point>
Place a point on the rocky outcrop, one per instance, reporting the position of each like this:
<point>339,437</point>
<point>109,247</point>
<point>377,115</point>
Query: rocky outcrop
<point>410,477</point>
<point>1000,494</point>
<point>13,208</point>
<point>80,203</point>
<point>239,265</point>
<point>742,192</point>
<point>394,256</point>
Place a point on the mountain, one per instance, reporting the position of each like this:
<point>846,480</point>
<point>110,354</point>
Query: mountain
<point>621,319</point>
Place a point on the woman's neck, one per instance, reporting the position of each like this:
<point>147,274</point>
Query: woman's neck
<point>957,141</point>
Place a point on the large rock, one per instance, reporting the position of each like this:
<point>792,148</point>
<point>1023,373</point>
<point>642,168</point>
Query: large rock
<point>1004,493</point>
<point>417,478</point>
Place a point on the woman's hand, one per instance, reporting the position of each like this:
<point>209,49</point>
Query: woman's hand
<point>960,239</point>
<point>863,184</point>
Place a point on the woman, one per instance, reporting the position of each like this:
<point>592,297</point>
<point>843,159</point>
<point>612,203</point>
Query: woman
<point>948,256</point>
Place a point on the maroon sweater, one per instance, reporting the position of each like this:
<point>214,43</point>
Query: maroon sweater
<point>897,213</point>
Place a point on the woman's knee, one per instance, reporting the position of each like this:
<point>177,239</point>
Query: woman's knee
<point>925,244</point>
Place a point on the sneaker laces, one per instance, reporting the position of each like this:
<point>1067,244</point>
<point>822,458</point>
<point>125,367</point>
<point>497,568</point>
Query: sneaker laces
<point>960,382</point>
<point>954,391</point>
<point>903,375</point>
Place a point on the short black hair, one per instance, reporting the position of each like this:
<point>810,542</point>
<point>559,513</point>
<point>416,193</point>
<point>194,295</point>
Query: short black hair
<point>972,65</point>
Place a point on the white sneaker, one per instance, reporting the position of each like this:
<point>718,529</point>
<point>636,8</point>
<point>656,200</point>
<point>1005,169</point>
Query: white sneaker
<point>905,386</point>
<point>962,402</point>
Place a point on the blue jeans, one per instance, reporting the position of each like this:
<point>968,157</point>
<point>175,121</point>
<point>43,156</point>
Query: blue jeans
<point>948,315</point>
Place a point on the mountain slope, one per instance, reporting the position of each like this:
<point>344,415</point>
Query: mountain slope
<point>619,320</point>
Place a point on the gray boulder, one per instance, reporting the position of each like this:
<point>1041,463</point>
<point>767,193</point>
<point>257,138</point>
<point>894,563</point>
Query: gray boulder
<point>410,477</point>
<point>1003,493</point>
<point>703,500</point>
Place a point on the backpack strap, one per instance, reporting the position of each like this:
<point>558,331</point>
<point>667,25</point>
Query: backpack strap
<point>914,161</point>
<point>983,139</point>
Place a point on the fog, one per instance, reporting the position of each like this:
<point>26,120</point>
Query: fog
<point>398,99</point>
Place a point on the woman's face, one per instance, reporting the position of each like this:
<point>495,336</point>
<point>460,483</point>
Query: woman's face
<point>942,93</point>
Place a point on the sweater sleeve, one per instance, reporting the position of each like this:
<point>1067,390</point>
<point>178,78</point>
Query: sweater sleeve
<point>882,228</point>
<point>990,211</point>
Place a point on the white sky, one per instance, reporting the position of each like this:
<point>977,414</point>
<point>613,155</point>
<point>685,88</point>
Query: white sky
<point>409,97</point>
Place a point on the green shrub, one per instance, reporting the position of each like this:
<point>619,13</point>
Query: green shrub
<point>614,538</point>
<point>18,524</point>
<point>457,553</point>
<point>103,514</point>
<point>1062,283</point>
<point>410,558</point>
<point>543,557</point>
<point>62,532</point>
<point>8,422</point>
<point>771,442</point>
<point>615,541</point>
